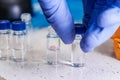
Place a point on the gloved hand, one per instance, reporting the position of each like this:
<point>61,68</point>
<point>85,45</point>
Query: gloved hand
<point>58,15</point>
<point>104,21</point>
<point>101,20</point>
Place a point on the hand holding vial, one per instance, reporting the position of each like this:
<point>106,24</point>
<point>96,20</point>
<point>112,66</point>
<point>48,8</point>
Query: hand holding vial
<point>78,56</point>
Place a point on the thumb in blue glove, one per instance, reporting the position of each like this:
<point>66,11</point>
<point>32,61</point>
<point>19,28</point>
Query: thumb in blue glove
<point>104,22</point>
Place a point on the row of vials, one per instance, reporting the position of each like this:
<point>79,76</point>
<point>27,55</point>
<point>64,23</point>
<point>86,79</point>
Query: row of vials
<point>54,49</point>
<point>14,38</point>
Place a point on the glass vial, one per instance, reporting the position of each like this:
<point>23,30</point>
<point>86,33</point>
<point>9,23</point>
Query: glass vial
<point>53,47</point>
<point>77,56</point>
<point>19,41</point>
<point>4,39</point>
<point>26,17</point>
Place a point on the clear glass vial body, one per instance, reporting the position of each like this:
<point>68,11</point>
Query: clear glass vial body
<point>26,17</point>
<point>19,41</point>
<point>10,44</point>
<point>53,47</point>
<point>77,56</point>
<point>4,44</point>
<point>19,46</point>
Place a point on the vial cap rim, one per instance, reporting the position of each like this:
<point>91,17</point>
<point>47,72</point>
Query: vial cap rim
<point>18,25</point>
<point>5,24</point>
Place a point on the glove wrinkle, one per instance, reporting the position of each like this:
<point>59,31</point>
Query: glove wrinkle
<point>104,21</point>
<point>59,16</point>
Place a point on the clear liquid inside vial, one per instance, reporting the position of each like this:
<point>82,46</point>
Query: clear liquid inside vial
<point>19,55</point>
<point>77,56</point>
<point>4,44</point>
<point>53,47</point>
<point>19,46</point>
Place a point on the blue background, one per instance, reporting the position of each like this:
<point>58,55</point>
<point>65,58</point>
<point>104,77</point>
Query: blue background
<point>39,21</point>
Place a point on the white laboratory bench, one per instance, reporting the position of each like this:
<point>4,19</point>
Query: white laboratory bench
<point>100,64</point>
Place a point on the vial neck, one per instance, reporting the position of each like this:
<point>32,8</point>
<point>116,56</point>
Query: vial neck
<point>27,21</point>
<point>19,32</point>
<point>3,31</point>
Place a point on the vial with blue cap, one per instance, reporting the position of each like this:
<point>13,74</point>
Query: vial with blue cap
<point>4,39</point>
<point>19,41</point>
<point>78,56</point>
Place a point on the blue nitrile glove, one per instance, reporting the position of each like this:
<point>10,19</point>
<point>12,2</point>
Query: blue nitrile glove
<point>105,19</point>
<point>58,15</point>
<point>100,25</point>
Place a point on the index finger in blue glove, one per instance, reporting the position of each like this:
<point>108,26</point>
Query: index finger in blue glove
<point>58,15</point>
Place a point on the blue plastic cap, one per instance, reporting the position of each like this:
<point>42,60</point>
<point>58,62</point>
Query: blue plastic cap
<point>4,24</point>
<point>80,29</point>
<point>18,25</point>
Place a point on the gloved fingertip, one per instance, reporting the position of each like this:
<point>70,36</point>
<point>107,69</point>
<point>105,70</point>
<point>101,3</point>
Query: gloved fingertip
<point>85,48</point>
<point>68,39</point>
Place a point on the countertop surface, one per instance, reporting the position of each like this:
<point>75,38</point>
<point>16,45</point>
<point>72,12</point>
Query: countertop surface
<point>100,64</point>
